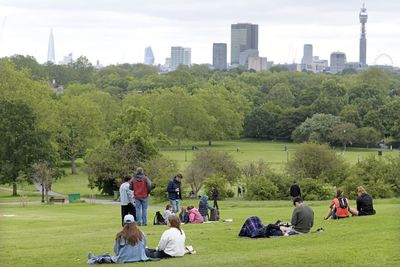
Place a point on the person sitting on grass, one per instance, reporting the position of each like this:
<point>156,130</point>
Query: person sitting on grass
<point>364,202</point>
<point>194,215</point>
<point>204,207</point>
<point>129,245</point>
<point>168,212</point>
<point>302,218</point>
<point>184,215</point>
<point>339,207</point>
<point>172,242</point>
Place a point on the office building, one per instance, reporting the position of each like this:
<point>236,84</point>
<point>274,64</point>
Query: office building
<point>307,59</point>
<point>180,56</point>
<point>219,56</point>
<point>244,36</point>
<point>148,56</point>
<point>66,60</point>
<point>338,62</point>
<point>257,63</point>
<point>244,56</point>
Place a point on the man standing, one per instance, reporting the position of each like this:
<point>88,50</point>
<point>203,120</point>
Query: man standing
<point>302,217</point>
<point>141,185</point>
<point>174,192</point>
<point>215,194</point>
<point>126,199</point>
<point>295,190</point>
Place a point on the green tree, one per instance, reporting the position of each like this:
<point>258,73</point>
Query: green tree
<point>317,162</point>
<point>79,127</point>
<point>344,133</point>
<point>21,143</point>
<point>367,136</point>
<point>281,95</point>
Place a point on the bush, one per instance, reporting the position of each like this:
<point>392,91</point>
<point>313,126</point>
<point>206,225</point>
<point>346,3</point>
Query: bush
<point>313,189</point>
<point>219,183</point>
<point>230,193</point>
<point>260,188</point>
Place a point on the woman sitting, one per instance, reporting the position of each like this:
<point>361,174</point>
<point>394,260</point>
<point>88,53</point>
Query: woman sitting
<point>339,207</point>
<point>184,215</point>
<point>364,202</point>
<point>129,245</point>
<point>172,242</point>
<point>194,215</point>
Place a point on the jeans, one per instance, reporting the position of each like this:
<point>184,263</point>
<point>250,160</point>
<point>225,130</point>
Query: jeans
<point>175,205</point>
<point>141,210</point>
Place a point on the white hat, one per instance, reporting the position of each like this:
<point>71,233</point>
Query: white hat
<point>129,219</point>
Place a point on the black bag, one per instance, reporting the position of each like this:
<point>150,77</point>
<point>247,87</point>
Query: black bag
<point>214,215</point>
<point>342,203</point>
<point>158,219</point>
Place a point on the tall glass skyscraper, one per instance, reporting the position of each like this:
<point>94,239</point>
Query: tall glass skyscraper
<point>219,56</point>
<point>51,57</point>
<point>148,56</point>
<point>244,36</point>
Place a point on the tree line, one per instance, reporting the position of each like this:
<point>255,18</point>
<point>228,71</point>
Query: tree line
<point>118,116</point>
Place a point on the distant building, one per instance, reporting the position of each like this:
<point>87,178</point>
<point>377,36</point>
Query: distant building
<point>257,63</point>
<point>338,61</point>
<point>51,55</point>
<point>148,56</point>
<point>180,56</point>
<point>244,56</point>
<point>219,56</point>
<point>244,36</point>
<point>319,65</point>
<point>307,59</point>
<point>363,40</point>
<point>66,60</point>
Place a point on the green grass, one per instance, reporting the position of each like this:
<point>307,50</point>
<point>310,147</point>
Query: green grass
<point>61,235</point>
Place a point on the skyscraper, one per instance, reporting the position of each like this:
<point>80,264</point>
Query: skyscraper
<point>50,51</point>
<point>148,56</point>
<point>307,54</point>
<point>363,40</point>
<point>338,62</point>
<point>244,36</point>
<point>219,56</point>
<point>180,56</point>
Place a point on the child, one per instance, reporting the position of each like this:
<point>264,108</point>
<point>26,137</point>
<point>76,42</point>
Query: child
<point>184,216</point>
<point>194,215</point>
<point>168,212</point>
<point>204,207</point>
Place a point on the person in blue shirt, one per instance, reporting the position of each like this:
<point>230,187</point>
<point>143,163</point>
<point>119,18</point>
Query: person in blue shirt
<point>175,192</point>
<point>129,245</point>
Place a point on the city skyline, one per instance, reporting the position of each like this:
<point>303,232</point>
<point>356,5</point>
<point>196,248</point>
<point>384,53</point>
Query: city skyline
<point>118,31</point>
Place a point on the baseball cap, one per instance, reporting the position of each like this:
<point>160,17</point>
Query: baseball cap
<point>129,219</point>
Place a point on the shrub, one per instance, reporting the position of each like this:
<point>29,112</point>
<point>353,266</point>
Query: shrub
<point>219,183</point>
<point>313,189</point>
<point>260,188</point>
<point>230,193</point>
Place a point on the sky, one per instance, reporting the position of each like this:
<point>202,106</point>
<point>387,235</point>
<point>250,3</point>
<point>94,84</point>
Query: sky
<point>118,31</point>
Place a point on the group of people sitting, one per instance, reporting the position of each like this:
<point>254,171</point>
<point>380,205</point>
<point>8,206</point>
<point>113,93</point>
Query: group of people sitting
<point>340,208</point>
<point>130,244</point>
<point>190,214</point>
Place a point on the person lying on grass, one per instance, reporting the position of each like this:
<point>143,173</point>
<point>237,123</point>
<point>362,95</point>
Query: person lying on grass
<point>129,245</point>
<point>172,242</point>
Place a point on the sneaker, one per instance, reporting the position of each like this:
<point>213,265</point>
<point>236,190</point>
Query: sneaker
<point>90,255</point>
<point>321,229</point>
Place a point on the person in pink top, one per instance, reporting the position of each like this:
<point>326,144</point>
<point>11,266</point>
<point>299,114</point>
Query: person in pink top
<point>194,215</point>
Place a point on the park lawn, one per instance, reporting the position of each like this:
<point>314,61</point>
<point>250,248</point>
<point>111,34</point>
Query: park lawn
<point>6,196</point>
<point>61,235</point>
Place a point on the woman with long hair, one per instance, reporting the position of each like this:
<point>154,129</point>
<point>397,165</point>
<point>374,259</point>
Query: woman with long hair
<point>129,245</point>
<point>365,205</point>
<point>339,207</point>
<point>172,242</point>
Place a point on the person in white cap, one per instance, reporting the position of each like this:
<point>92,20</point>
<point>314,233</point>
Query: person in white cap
<point>129,245</point>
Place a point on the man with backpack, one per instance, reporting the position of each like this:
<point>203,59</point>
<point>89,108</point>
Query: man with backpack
<point>174,192</point>
<point>141,186</point>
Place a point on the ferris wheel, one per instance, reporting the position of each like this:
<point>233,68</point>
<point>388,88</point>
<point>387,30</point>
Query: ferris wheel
<point>383,59</point>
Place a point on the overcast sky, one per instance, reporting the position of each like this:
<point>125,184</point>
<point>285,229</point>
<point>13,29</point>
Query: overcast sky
<point>117,31</point>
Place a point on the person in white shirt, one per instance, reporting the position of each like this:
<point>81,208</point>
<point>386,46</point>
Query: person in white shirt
<point>168,212</point>
<point>126,199</point>
<point>172,242</point>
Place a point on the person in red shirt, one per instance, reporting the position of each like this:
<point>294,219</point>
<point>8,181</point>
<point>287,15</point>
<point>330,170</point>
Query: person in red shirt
<point>339,207</point>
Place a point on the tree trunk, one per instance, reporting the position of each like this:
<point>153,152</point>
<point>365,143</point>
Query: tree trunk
<point>209,141</point>
<point>179,143</point>
<point>14,189</point>
<point>47,195</point>
<point>73,166</point>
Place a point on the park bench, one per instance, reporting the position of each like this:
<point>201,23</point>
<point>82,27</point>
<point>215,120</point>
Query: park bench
<point>56,200</point>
